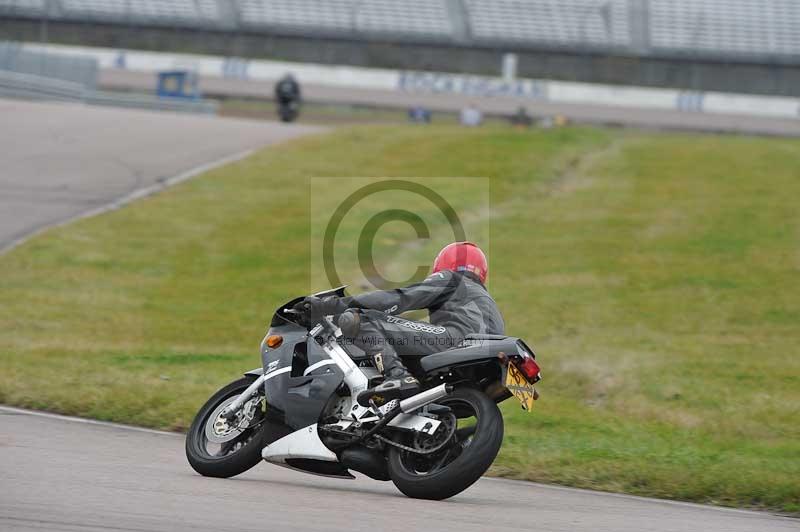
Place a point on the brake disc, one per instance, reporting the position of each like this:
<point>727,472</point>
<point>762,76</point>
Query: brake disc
<point>221,430</point>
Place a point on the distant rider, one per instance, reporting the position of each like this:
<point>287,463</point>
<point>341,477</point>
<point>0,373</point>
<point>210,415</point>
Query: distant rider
<point>287,90</point>
<point>456,299</point>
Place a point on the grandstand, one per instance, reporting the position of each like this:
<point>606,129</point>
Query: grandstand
<point>425,18</point>
<point>142,11</point>
<point>572,23</point>
<point>749,46</point>
<point>733,29</point>
<point>35,8</point>
<point>333,15</point>
<point>730,27</point>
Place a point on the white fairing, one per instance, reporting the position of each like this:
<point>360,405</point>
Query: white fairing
<point>353,375</point>
<point>355,379</point>
<point>303,443</point>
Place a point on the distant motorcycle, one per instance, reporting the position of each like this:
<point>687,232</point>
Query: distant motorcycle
<point>288,96</point>
<point>300,410</point>
<point>288,110</point>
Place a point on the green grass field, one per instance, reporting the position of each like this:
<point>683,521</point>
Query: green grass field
<point>656,275</point>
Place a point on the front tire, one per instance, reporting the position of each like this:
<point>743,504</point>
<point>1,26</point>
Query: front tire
<point>475,448</point>
<point>235,456</point>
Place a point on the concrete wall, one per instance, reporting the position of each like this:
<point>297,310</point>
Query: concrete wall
<point>689,74</point>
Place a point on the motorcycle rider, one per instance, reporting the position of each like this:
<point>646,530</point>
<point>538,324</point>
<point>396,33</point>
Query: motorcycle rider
<point>458,303</point>
<point>287,90</point>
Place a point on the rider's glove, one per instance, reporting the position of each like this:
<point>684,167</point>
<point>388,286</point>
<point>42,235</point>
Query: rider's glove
<point>315,307</point>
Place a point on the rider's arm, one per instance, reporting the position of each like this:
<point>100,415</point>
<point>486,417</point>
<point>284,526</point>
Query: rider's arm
<point>428,293</point>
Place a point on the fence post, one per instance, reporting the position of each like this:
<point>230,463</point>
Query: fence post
<point>459,20</point>
<point>639,26</point>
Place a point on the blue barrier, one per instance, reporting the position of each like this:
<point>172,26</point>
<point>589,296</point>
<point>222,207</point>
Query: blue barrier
<point>181,84</point>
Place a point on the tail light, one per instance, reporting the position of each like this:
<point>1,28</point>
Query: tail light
<point>526,363</point>
<point>530,369</point>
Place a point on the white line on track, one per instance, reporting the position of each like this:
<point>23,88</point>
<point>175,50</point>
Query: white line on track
<point>753,513</point>
<point>133,196</point>
<point>49,415</point>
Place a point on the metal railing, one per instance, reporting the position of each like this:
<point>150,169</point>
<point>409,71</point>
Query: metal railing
<point>78,70</point>
<point>33,75</point>
<point>32,87</point>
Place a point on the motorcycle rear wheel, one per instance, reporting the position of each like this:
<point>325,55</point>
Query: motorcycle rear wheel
<point>233,457</point>
<point>459,464</point>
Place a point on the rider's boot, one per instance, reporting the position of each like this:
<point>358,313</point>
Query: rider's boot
<point>398,384</point>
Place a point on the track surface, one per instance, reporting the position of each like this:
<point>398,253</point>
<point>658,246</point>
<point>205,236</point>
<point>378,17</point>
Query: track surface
<point>63,475</point>
<point>60,160</point>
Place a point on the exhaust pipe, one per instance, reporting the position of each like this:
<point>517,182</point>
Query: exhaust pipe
<point>366,461</point>
<point>415,402</point>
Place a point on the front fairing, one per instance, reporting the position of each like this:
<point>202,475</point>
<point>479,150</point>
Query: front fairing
<point>303,377</point>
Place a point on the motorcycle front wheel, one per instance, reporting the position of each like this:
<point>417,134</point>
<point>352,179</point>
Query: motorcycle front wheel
<point>455,467</point>
<point>216,447</point>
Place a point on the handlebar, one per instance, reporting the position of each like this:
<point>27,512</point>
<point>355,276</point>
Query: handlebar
<point>326,323</point>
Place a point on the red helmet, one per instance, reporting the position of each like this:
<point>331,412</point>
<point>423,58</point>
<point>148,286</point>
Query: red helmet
<point>462,257</point>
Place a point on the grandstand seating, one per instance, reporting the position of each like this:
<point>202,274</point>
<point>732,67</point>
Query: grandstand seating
<point>419,17</point>
<point>413,17</point>
<point>300,14</point>
<point>23,7</point>
<point>144,11</point>
<point>560,22</point>
<point>208,10</point>
<point>719,28</point>
<point>726,26</point>
<point>100,9</point>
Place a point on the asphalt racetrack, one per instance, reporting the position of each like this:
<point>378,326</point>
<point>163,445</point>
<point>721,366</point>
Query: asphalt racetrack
<point>62,160</point>
<point>62,474</point>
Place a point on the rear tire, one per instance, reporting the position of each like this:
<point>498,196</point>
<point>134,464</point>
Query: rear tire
<point>228,465</point>
<point>467,467</point>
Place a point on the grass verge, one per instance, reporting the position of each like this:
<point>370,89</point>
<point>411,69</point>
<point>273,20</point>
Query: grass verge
<point>656,276</point>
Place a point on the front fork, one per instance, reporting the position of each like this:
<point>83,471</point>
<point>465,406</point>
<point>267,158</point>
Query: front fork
<point>229,412</point>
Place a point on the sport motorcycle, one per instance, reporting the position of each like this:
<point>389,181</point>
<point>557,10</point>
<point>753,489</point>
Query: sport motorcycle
<point>299,410</point>
<point>289,110</point>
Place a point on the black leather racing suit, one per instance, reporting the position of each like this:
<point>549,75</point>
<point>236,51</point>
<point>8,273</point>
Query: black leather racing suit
<point>458,305</point>
<point>287,90</point>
